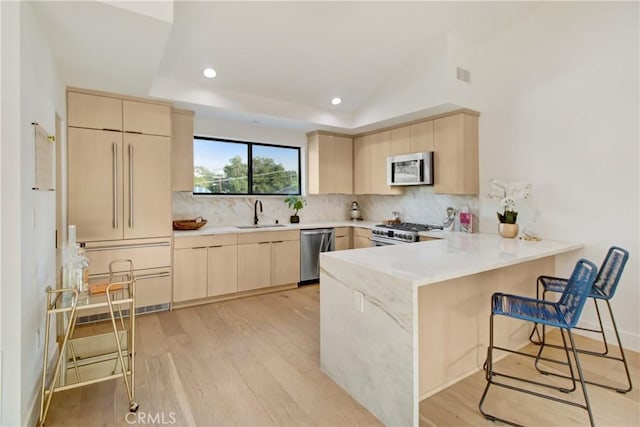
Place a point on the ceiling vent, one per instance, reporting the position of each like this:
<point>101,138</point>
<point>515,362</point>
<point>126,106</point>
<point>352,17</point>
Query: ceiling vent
<point>464,75</point>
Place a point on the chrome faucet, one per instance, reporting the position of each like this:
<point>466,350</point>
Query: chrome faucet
<point>255,211</point>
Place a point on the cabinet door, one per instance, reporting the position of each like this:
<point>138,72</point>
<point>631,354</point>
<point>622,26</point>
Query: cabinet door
<point>380,144</point>
<point>222,275</point>
<point>361,242</point>
<point>343,158</point>
<point>181,150</point>
<point>94,111</point>
<point>362,172</point>
<point>147,118</point>
<point>285,262</point>
<point>95,183</point>
<point>456,154</point>
<point>189,274</point>
<point>422,137</point>
<point>343,242</point>
<point>254,266</point>
<point>147,186</point>
<point>400,140</point>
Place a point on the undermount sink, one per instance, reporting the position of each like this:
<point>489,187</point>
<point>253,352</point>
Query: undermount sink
<point>260,226</point>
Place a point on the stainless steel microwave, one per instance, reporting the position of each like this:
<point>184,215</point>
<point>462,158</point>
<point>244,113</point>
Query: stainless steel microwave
<point>410,169</point>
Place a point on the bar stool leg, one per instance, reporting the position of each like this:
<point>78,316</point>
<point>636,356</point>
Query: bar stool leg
<point>623,357</point>
<point>581,377</point>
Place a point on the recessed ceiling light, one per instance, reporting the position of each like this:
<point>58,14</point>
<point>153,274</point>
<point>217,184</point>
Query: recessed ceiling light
<point>209,73</point>
<point>336,101</point>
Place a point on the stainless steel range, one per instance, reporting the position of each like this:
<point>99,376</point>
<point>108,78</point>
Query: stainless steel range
<point>394,234</point>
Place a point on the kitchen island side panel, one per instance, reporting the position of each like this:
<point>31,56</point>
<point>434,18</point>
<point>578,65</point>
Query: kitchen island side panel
<point>453,321</point>
<point>370,353</point>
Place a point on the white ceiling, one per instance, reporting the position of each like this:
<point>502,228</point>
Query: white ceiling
<point>279,63</point>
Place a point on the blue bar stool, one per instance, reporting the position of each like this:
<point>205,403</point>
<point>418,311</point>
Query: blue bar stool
<point>563,314</point>
<point>603,289</point>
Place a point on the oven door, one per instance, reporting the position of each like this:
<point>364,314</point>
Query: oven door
<point>384,241</point>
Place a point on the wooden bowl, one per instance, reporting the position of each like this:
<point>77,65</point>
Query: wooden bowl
<point>189,224</point>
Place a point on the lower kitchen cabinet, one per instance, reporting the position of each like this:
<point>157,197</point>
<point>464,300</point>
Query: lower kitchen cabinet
<point>285,262</point>
<point>189,274</point>
<point>254,266</point>
<point>204,266</point>
<point>361,238</point>
<point>343,238</point>
<point>222,274</point>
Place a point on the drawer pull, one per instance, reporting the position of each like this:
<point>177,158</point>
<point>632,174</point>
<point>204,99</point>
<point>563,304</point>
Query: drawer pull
<point>138,246</point>
<point>278,241</point>
<point>263,243</point>
<point>152,276</point>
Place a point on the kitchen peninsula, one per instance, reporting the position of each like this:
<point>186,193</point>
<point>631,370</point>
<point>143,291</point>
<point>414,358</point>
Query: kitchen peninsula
<point>399,323</point>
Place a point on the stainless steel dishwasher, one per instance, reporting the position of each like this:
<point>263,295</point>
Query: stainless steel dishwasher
<point>312,243</point>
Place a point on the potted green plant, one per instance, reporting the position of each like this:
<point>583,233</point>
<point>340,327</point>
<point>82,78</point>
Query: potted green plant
<point>296,203</point>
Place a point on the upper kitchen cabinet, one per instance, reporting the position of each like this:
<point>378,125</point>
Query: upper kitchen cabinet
<point>329,163</point>
<point>416,138</point>
<point>455,139</point>
<point>94,111</point>
<point>370,164</point>
<point>181,150</point>
<point>147,118</point>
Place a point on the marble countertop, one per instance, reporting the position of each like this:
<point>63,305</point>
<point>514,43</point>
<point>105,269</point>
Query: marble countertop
<point>454,255</point>
<point>218,229</point>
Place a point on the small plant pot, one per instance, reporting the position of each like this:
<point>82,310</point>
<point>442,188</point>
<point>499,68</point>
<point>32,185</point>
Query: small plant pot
<point>508,231</point>
<point>294,219</point>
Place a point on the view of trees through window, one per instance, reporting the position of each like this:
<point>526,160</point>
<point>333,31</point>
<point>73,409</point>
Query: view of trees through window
<point>230,167</point>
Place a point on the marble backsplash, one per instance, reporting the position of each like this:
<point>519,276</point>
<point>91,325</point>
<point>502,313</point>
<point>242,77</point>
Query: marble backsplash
<point>418,204</point>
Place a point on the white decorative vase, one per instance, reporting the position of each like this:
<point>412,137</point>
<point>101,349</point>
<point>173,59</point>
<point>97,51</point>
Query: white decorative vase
<point>508,231</point>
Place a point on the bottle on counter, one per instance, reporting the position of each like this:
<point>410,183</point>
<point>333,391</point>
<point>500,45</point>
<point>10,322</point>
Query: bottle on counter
<point>75,272</point>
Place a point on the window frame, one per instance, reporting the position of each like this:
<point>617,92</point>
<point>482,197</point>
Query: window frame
<point>249,145</point>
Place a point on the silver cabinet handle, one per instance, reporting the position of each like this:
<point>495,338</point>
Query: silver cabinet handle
<point>118,247</point>
<point>152,276</point>
<point>114,153</point>
<point>130,185</point>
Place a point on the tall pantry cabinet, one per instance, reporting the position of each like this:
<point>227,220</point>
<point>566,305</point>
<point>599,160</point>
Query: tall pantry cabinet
<point>119,184</point>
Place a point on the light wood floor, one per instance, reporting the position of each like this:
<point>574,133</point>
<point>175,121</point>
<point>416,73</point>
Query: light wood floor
<point>255,362</point>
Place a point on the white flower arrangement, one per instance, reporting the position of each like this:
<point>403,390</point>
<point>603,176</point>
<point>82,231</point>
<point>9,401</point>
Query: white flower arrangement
<point>509,193</point>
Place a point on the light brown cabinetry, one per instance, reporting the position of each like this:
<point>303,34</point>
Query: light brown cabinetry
<point>189,274</point>
<point>415,138</point>
<point>222,270</point>
<point>329,164</point>
<point>268,259</point>
<point>95,183</point>
<point>147,118</point>
<point>152,262</point>
<point>94,111</point>
<point>361,238</point>
<point>285,262</point>
<point>181,150</point>
<point>370,164</point>
<point>456,154</point>
<point>119,182</point>
<point>205,266</point>
<point>343,238</point>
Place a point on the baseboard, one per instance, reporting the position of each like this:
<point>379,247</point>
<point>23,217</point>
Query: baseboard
<point>629,341</point>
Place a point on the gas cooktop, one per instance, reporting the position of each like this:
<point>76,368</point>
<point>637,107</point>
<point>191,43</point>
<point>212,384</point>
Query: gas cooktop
<point>409,226</point>
<point>406,232</point>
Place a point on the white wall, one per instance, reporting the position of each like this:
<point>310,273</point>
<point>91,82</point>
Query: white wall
<point>28,221</point>
<point>559,102</point>
<point>10,414</point>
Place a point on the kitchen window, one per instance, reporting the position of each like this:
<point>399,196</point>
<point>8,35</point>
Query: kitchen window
<point>238,167</point>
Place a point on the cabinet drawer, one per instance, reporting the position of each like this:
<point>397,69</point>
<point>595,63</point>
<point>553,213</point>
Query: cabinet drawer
<point>144,254</point>
<point>94,111</point>
<point>204,241</point>
<point>153,287</point>
<point>268,236</point>
<point>361,232</point>
<point>343,231</point>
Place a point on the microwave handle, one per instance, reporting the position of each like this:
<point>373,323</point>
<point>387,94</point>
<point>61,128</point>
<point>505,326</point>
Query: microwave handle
<point>421,170</point>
